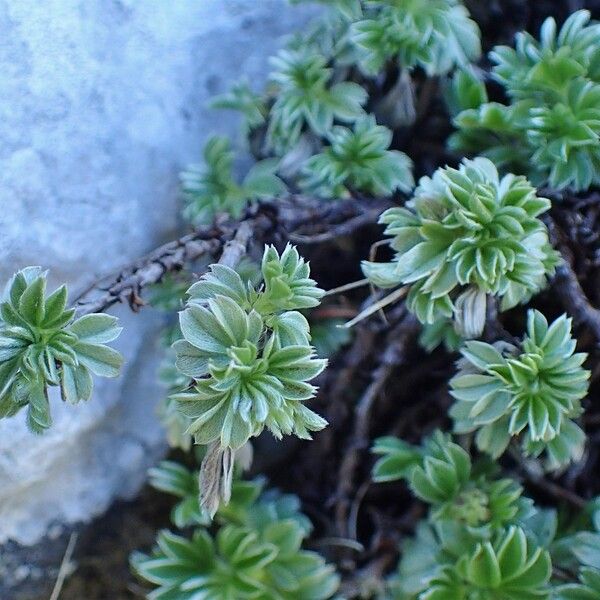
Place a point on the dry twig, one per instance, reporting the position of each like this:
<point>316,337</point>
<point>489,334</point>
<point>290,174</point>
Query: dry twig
<point>127,284</point>
<point>347,228</point>
<point>65,567</point>
<point>393,355</point>
<point>569,289</point>
<point>296,213</point>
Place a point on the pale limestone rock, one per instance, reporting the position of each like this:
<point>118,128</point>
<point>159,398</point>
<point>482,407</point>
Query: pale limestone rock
<point>102,102</point>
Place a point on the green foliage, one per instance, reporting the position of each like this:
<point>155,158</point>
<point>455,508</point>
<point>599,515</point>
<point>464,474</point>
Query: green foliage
<point>306,96</point>
<point>287,283</point>
<point>466,234</point>
<point>248,351</point>
<point>510,568</point>
<point>42,344</point>
<point>358,159</point>
<point>175,479</point>
<point>441,473</point>
<point>328,336</point>
<point>441,332</point>
<point>464,91</point>
<point>436,35</point>
<point>551,128</point>
<point>248,103</point>
<point>255,554</point>
<point>170,296</point>
<point>212,189</point>
<point>447,561</point>
<point>475,544</point>
<point>482,539</point>
<point>532,392</point>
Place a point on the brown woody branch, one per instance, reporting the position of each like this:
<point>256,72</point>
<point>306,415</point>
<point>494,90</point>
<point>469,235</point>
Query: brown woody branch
<point>346,228</point>
<point>568,288</point>
<point>394,354</point>
<point>126,286</point>
<point>229,240</point>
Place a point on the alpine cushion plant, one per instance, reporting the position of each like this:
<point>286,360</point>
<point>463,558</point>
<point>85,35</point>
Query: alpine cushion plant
<point>242,358</point>
<point>436,35</point>
<point>42,344</point>
<point>237,563</point>
<point>306,97</point>
<point>467,234</point>
<point>446,562</point>
<point>358,159</point>
<point>532,392</point>
<point>256,554</point>
<point>211,190</point>
<point>482,539</point>
<point>550,131</point>
<point>248,352</point>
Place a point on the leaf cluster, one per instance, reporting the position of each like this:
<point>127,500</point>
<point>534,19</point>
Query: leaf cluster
<point>248,351</point>
<point>436,35</point>
<point>256,552</point>
<point>467,233</point>
<point>532,393</point>
<point>473,544</point>
<point>212,189</point>
<point>306,96</point>
<point>482,539</point>
<point>550,129</point>
<point>43,344</point>
<point>358,159</point>
<point>441,473</point>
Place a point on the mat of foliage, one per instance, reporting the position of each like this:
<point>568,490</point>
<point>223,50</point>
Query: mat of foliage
<point>383,383</point>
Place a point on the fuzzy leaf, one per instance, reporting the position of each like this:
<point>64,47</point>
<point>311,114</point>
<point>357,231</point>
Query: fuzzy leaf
<point>443,248</point>
<point>41,346</point>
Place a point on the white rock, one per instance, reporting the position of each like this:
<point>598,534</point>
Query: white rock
<point>102,102</point>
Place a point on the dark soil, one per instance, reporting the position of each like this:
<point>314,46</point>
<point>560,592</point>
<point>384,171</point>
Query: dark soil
<point>103,548</point>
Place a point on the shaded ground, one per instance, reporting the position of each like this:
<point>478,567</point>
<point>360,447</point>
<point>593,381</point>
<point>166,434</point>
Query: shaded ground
<point>102,549</point>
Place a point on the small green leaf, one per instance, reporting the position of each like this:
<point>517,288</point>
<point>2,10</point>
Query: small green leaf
<point>31,302</point>
<point>55,305</point>
<point>101,360</point>
<point>483,569</point>
<point>96,328</point>
<point>76,383</point>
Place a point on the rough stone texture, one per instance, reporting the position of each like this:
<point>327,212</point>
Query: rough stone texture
<point>101,104</point>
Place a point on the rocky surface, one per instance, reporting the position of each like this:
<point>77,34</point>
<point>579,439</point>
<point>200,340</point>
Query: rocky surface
<point>102,102</point>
